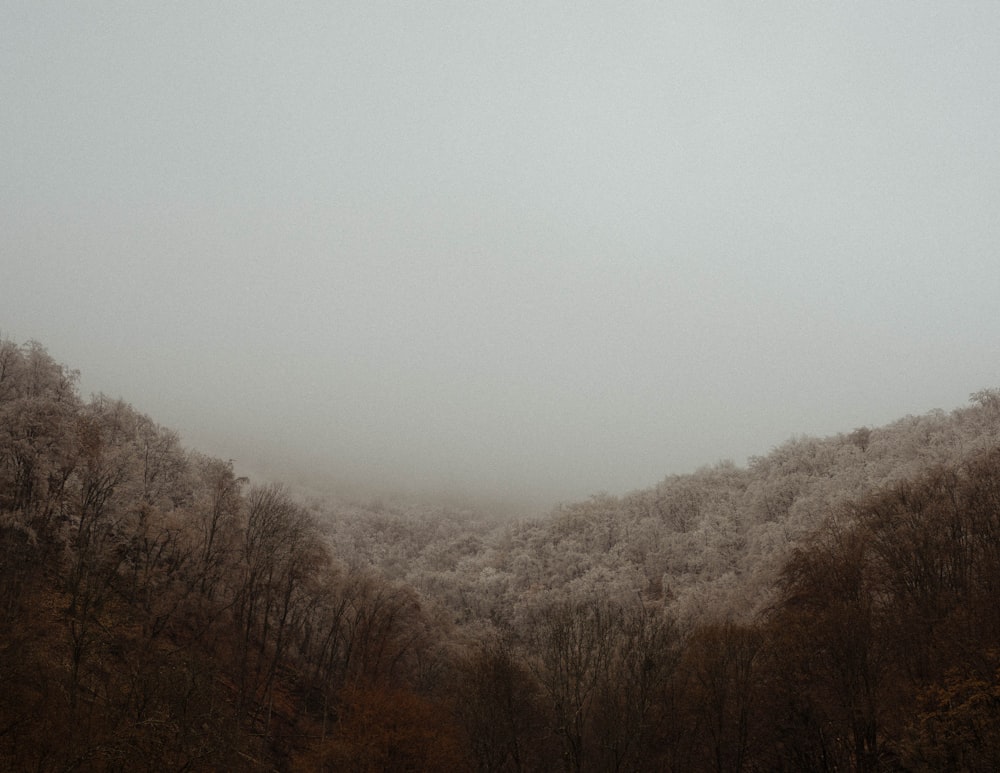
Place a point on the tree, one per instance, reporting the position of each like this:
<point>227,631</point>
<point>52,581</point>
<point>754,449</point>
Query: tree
<point>573,644</point>
<point>956,726</point>
<point>630,719</point>
<point>832,655</point>
<point>279,551</point>
<point>498,707</point>
<point>216,512</point>
<point>38,405</point>
<point>722,660</point>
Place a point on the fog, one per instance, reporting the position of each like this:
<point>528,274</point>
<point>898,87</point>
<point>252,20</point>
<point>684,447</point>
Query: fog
<point>518,251</point>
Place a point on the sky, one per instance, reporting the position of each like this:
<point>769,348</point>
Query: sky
<point>526,251</point>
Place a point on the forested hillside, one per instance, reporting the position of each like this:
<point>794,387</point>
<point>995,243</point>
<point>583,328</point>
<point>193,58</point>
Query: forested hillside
<point>832,606</point>
<point>706,545</point>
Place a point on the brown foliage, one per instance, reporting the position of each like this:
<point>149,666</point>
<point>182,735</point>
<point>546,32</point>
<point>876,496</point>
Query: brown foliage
<point>384,730</point>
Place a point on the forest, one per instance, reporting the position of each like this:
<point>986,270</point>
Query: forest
<point>831,606</point>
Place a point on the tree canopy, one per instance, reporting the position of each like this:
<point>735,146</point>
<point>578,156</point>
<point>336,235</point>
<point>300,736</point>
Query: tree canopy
<point>829,607</point>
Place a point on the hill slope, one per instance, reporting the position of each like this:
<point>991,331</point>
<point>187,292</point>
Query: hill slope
<point>708,544</point>
<point>831,606</point>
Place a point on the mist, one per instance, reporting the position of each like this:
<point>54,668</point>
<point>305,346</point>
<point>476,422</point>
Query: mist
<point>515,254</point>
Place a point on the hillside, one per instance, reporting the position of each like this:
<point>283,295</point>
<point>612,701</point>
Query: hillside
<point>831,606</point>
<point>706,545</point>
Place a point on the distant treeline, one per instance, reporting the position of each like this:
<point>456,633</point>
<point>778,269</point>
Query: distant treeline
<point>831,607</point>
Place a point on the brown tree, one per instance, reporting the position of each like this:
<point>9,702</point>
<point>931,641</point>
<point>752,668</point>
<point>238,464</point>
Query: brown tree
<point>723,664</point>
<point>832,654</point>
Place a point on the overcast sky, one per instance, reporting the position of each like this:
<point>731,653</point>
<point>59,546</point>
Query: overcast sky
<point>512,248</point>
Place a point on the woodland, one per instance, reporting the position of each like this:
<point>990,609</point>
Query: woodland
<point>831,606</point>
